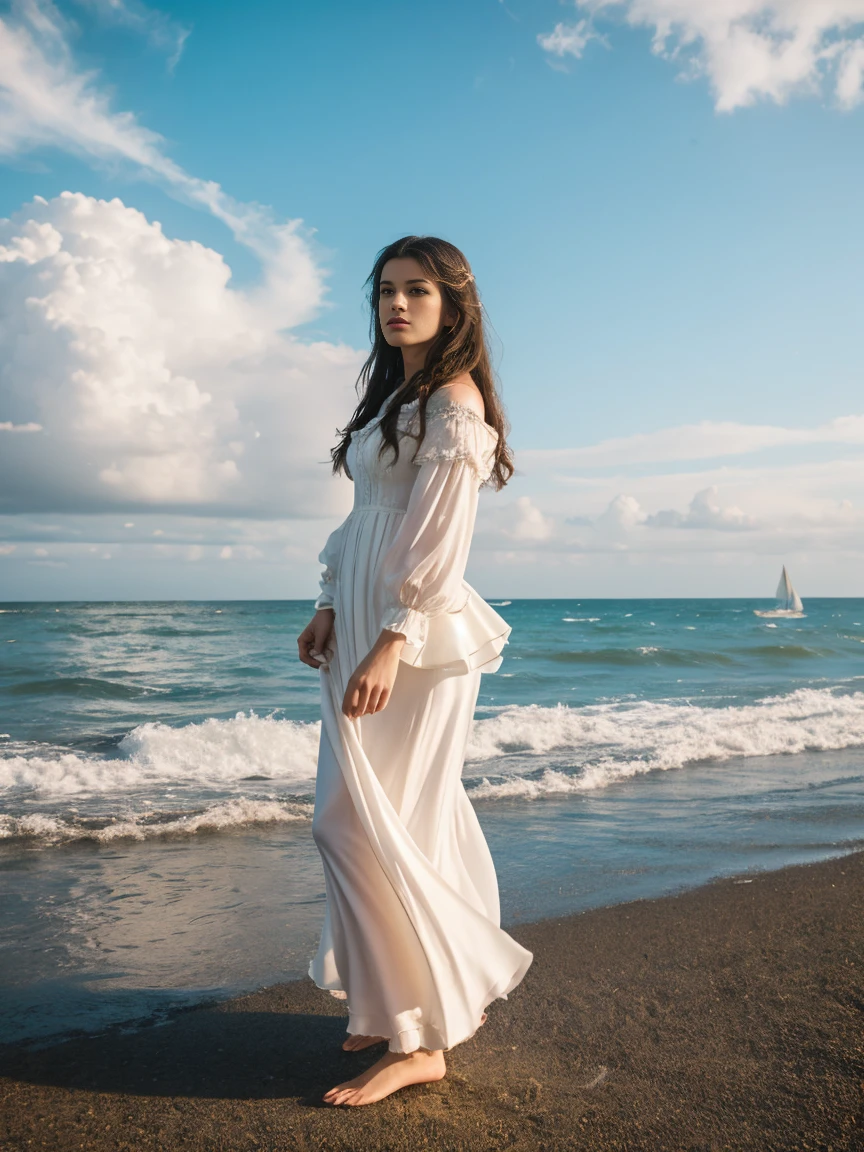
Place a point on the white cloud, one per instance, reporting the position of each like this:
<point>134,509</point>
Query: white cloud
<point>751,50</point>
<point>704,441</point>
<point>568,39</point>
<point>8,426</point>
<point>45,100</point>
<point>606,499</point>
<point>154,383</point>
<point>704,512</point>
<point>519,519</point>
<point>620,518</point>
<point>161,30</point>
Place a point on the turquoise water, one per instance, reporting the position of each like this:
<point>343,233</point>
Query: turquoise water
<point>157,769</point>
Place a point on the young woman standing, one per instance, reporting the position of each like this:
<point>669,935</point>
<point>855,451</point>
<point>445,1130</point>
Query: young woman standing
<point>411,935</point>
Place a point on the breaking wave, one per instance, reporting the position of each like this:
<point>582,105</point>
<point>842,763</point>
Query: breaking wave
<point>239,812</point>
<point>597,745</point>
<point>215,752</point>
<point>251,770</point>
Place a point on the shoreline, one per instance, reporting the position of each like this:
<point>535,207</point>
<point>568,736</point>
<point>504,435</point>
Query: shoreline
<point>161,1005</point>
<point>726,1016</point>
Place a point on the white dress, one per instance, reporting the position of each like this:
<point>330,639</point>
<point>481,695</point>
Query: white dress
<point>411,934</point>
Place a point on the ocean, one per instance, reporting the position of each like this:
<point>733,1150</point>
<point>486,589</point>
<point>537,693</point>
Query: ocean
<point>157,765</point>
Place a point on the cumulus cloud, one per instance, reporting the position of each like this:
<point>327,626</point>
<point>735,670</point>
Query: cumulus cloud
<point>705,511</point>
<point>519,519</point>
<point>620,518</point>
<point>764,505</point>
<point>146,380</point>
<point>46,100</point>
<point>748,50</point>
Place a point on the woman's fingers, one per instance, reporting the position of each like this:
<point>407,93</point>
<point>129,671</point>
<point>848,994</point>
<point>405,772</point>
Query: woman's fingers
<point>363,697</point>
<point>306,647</point>
<point>382,699</point>
<point>350,700</point>
<point>322,638</point>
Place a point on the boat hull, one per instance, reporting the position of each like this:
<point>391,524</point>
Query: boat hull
<point>783,613</point>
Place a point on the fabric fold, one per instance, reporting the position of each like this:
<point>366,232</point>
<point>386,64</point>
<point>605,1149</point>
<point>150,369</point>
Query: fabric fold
<point>465,959</point>
<point>329,556</point>
<point>411,934</point>
<point>426,598</point>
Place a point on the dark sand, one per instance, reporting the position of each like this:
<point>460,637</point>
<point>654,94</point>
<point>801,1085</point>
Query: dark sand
<point>728,1017</point>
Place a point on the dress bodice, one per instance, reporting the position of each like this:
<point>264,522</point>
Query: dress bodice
<point>398,560</point>
<point>380,483</point>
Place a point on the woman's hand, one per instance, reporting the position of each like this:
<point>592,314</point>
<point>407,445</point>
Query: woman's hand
<point>369,688</point>
<point>314,638</point>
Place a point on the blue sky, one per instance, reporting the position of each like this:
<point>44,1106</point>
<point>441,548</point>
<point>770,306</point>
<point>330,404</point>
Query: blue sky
<point>666,235</point>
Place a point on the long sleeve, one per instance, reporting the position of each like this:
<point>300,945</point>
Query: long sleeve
<point>422,573</point>
<point>329,557</point>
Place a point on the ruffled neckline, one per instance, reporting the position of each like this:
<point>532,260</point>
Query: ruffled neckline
<point>468,411</point>
<point>411,405</point>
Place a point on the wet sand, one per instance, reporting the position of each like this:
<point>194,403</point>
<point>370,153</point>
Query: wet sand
<point>729,1017</point>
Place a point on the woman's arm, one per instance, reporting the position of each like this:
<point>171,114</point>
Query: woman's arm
<point>422,573</point>
<point>313,640</point>
<point>329,557</point>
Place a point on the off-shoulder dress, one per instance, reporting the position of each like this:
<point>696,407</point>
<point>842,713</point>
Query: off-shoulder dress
<point>411,935</point>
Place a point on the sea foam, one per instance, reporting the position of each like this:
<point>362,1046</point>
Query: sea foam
<point>601,744</point>
<point>214,752</point>
<point>264,767</point>
<point>238,812</point>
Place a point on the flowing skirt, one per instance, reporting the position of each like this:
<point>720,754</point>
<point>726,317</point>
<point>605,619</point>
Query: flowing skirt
<point>411,932</point>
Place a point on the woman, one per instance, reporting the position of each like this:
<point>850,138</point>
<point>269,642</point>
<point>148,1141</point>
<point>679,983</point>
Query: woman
<point>411,934</point>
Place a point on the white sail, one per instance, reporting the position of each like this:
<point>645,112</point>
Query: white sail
<point>788,601</point>
<point>784,589</point>
<point>788,598</point>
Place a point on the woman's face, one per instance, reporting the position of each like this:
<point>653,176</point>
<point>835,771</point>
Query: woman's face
<point>411,308</point>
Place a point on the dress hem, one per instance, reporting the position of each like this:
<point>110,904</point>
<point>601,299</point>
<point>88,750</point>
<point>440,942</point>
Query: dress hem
<point>427,1032</point>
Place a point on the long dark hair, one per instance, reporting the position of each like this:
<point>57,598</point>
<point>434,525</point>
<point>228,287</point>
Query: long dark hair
<point>457,349</point>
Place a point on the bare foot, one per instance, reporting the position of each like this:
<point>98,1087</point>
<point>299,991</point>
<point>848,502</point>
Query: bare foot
<point>356,1042</point>
<point>393,1071</point>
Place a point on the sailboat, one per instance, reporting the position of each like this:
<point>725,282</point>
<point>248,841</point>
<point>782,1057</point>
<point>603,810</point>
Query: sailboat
<point>788,601</point>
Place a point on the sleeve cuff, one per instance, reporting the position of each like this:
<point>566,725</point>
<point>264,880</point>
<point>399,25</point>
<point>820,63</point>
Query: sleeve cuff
<point>410,623</point>
<point>327,584</point>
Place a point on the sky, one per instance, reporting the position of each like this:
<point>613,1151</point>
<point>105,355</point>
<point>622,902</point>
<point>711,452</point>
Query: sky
<point>660,201</point>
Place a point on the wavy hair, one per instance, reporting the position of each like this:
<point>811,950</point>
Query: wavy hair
<point>458,348</point>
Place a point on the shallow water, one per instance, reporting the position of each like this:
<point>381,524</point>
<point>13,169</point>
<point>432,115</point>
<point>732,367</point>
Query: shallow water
<point>158,763</point>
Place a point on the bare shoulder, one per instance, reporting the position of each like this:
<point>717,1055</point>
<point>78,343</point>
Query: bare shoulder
<point>463,390</point>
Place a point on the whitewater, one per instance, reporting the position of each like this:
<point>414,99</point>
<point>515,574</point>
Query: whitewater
<point>157,775</point>
<point>265,766</point>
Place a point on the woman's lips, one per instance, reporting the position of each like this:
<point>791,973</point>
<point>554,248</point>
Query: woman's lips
<point>397,323</point>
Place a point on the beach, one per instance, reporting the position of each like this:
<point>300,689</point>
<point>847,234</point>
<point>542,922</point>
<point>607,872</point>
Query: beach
<point>726,1017</point>
<point>157,775</point>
